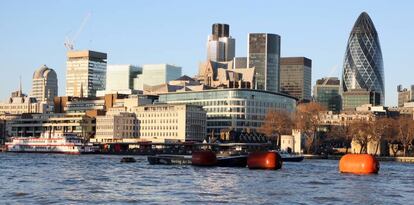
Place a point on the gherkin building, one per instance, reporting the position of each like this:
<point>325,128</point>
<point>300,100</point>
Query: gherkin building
<point>363,65</point>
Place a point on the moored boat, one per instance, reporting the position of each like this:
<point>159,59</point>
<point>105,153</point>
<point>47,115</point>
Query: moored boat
<point>66,143</point>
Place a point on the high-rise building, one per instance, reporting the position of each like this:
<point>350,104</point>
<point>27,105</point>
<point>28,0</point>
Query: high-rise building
<point>357,97</point>
<point>45,84</point>
<point>264,56</point>
<point>86,73</point>
<point>327,93</point>
<point>220,45</point>
<point>363,65</point>
<point>121,77</point>
<point>156,74</point>
<point>405,95</point>
<point>296,77</point>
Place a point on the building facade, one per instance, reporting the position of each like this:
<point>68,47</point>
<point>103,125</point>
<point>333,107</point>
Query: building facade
<point>405,95</point>
<point>238,109</point>
<point>121,77</point>
<point>363,64</point>
<point>156,74</point>
<point>357,97</point>
<point>19,103</point>
<point>116,125</point>
<point>264,56</point>
<point>44,84</point>
<point>220,45</point>
<point>171,122</point>
<point>327,93</point>
<point>296,77</point>
<point>85,73</point>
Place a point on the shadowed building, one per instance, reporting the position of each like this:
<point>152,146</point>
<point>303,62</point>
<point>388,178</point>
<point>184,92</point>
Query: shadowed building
<point>363,64</point>
<point>327,93</point>
<point>264,56</point>
<point>296,77</point>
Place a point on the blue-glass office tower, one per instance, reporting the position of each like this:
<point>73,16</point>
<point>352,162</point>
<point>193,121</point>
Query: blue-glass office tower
<point>363,65</point>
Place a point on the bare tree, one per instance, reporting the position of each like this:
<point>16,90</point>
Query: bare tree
<point>275,124</point>
<point>380,128</point>
<point>362,132</point>
<point>391,135</point>
<point>342,133</point>
<point>405,132</point>
<point>307,119</point>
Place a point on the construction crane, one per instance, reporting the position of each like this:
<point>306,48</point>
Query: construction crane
<point>70,41</point>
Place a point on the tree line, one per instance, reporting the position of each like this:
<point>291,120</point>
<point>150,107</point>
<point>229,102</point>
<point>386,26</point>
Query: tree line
<point>398,132</point>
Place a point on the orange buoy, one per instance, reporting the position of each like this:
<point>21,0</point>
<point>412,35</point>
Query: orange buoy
<point>264,160</point>
<point>204,158</point>
<point>359,164</point>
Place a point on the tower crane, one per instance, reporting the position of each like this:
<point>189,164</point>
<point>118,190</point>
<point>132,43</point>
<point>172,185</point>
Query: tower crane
<point>70,41</point>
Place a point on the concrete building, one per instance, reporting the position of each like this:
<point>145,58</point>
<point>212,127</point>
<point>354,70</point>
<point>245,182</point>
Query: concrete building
<point>405,95</point>
<point>85,73</point>
<point>156,74</point>
<point>116,125</point>
<point>19,103</point>
<point>121,77</point>
<point>239,109</point>
<point>357,97</point>
<point>29,125</point>
<point>296,77</point>
<point>327,93</point>
<point>292,143</point>
<point>171,122</point>
<point>264,56</point>
<point>220,45</point>
<point>45,84</point>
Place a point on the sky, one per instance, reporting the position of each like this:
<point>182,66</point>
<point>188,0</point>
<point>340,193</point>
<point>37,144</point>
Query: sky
<point>32,33</point>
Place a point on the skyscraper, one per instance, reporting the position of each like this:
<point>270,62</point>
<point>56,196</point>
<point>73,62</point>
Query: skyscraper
<point>220,45</point>
<point>264,56</point>
<point>45,84</point>
<point>327,93</point>
<point>296,77</point>
<point>86,73</point>
<point>363,65</point>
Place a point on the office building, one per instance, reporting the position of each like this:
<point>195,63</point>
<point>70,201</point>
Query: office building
<point>264,56</point>
<point>239,109</point>
<point>357,97</point>
<point>116,125</point>
<point>296,77</point>
<point>220,45</point>
<point>85,73</point>
<point>327,93</point>
<point>363,65</point>
<point>171,122</point>
<point>45,84</point>
<point>121,77</point>
<point>405,95</point>
<point>19,103</point>
<point>156,74</point>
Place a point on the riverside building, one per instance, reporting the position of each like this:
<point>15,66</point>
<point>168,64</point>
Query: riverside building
<point>115,126</point>
<point>239,109</point>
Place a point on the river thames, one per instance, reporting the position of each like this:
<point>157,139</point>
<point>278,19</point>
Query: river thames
<point>102,179</point>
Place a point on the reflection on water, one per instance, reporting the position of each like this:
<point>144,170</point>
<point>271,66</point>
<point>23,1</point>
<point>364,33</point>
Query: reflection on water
<point>92,179</point>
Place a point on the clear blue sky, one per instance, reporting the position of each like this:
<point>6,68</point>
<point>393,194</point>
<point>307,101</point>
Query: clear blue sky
<point>175,32</point>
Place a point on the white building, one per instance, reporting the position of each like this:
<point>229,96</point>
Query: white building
<point>45,84</point>
<point>156,74</point>
<point>121,77</point>
<point>86,73</point>
<point>292,142</point>
<point>19,103</point>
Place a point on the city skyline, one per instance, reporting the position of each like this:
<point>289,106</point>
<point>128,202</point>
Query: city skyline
<point>119,35</point>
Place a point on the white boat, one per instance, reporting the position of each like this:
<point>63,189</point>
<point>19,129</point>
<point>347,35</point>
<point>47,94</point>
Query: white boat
<point>66,143</point>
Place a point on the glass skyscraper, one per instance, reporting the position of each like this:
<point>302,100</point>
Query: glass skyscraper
<point>264,56</point>
<point>363,65</point>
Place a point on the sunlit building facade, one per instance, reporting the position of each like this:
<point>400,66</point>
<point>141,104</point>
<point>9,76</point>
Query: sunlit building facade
<point>45,84</point>
<point>156,74</point>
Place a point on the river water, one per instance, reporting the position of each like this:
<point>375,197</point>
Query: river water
<point>102,179</point>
